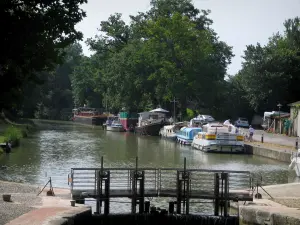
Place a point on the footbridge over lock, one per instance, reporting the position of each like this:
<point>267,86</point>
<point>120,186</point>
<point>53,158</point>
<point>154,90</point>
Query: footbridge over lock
<point>183,184</point>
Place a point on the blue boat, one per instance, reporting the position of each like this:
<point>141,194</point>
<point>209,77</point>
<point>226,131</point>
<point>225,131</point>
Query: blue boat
<point>186,135</point>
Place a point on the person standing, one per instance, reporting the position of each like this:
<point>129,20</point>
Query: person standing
<point>251,132</point>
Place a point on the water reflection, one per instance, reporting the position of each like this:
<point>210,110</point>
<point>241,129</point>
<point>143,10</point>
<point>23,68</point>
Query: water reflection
<point>55,149</point>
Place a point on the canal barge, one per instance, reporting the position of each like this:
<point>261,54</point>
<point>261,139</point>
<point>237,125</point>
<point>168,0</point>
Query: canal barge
<point>128,120</point>
<point>89,116</point>
<point>218,138</point>
<point>169,131</point>
<point>151,122</point>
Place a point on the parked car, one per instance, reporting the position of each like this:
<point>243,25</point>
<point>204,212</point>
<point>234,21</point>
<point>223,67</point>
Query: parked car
<point>241,122</point>
<point>206,118</point>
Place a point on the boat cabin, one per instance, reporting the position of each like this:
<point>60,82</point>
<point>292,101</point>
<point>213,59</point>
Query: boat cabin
<point>188,132</point>
<point>150,117</point>
<point>218,131</point>
<point>83,111</point>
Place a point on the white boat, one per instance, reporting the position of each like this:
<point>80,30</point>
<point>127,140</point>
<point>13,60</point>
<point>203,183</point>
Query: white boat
<point>295,163</point>
<point>169,131</point>
<point>114,125</point>
<point>219,138</point>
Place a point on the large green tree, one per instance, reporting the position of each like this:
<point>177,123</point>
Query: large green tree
<point>270,74</point>
<point>33,34</point>
<point>169,51</point>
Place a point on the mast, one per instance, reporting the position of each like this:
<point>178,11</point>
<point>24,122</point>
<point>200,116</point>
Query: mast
<point>174,110</point>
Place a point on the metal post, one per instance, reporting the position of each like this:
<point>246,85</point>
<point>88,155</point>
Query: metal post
<point>179,193</point>
<point>133,199</point>
<point>296,144</point>
<point>187,210</point>
<point>216,192</point>
<point>184,184</point>
<point>147,206</point>
<point>171,207</point>
<point>226,192</point>
<point>107,190</point>
<point>142,192</point>
<point>98,192</point>
<point>262,138</point>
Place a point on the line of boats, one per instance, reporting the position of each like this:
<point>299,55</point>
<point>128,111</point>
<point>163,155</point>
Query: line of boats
<point>210,137</point>
<point>207,136</point>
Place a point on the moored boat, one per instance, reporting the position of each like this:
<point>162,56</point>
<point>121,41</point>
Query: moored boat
<point>89,116</point>
<point>218,138</point>
<point>169,131</point>
<point>128,120</point>
<point>186,134</point>
<point>151,122</point>
<point>113,124</point>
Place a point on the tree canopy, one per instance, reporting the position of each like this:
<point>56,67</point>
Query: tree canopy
<point>168,52</point>
<point>33,34</point>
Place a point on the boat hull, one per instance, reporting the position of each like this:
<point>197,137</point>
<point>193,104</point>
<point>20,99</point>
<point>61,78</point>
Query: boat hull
<point>169,137</point>
<point>115,129</point>
<point>184,141</point>
<point>237,148</point>
<point>95,121</point>
<point>149,129</point>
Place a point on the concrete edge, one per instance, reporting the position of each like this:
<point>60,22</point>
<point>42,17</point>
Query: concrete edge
<point>279,155</point>
<point>269,215</point>
<point>78,214</point>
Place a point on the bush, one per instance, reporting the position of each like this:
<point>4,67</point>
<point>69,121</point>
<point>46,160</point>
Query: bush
<point>13,134</point>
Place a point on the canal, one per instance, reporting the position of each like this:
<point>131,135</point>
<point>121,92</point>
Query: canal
<point>55,148</point>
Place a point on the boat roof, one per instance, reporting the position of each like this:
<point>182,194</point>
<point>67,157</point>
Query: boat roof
<point>188,129</point>
<point>169,126</point>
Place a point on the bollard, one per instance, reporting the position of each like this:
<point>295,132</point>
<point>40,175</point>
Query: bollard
<point>296,144</point>
<point>147,206</point>
<point>171,207</point>
<point>262,138</point>
<point>72,203</point>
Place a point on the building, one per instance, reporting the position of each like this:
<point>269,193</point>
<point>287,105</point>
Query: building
<point>295,118</point>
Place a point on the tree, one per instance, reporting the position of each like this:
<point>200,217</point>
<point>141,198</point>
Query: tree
<point>54,97</point>
<point>270,74</point>
<point>165,52</point>
<point>33,35</point>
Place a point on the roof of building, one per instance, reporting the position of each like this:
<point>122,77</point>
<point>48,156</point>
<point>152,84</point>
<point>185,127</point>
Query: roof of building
<point>294,103</point>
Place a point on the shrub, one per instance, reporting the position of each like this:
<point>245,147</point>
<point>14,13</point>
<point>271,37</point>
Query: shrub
<point>13,134</point>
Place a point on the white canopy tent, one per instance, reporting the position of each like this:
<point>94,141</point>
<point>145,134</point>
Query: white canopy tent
<point>159,110</point>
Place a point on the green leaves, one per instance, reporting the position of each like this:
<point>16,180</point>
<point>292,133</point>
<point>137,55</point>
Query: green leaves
<point>168,51</point>
<point>34,32</point>
<point>270,73</point>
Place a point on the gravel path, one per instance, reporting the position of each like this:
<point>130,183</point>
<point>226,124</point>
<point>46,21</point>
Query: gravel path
<point>289,202</point>
<point>23,196</point>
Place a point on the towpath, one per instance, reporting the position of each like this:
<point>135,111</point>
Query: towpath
<point>278,139</point>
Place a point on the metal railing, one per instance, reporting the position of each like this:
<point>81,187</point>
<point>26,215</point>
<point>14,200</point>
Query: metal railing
<point>156,181</point>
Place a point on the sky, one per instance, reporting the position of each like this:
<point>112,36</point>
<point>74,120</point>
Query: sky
<point>237,22</point>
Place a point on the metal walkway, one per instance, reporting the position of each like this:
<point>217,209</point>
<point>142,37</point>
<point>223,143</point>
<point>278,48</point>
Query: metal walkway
<point>180,183</point>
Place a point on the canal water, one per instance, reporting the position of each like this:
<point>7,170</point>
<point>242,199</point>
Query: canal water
<point>55,148</point>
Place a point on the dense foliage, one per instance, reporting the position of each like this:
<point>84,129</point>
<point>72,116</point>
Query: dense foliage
<point>33,34</point>
<point>169,52</point>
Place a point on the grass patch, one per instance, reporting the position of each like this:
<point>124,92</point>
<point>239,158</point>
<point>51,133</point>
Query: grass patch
<point>13,134</point>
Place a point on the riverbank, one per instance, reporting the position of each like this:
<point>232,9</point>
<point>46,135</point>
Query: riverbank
<point>279,205</point>
<point>27,208</point>
<point>269,150</point>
